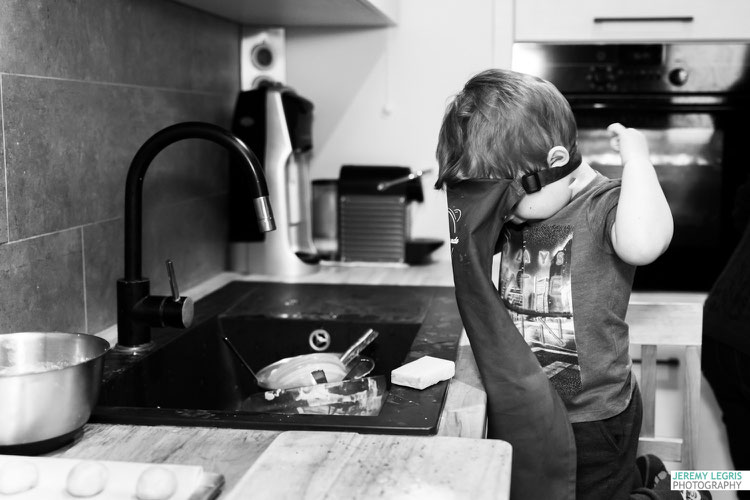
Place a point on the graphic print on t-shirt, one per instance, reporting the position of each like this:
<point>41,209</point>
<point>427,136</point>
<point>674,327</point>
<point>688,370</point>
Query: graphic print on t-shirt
<point>535,287</point>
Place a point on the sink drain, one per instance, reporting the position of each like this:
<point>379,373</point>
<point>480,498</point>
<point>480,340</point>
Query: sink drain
<point>319,340</point>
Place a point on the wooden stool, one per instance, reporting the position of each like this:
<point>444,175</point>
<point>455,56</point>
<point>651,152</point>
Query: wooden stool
<point>669,319</point>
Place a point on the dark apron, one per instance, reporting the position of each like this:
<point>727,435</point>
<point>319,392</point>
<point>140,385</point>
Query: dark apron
<point>523,407</point>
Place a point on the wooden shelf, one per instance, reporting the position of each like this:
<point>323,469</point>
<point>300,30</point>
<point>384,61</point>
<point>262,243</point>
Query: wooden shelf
<point>288,13</point>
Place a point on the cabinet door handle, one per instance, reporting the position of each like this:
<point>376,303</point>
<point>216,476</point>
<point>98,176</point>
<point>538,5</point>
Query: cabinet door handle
<point>665,19</point>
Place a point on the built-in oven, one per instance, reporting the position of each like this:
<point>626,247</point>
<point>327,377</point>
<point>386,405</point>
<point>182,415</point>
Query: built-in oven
<point>691,100</point>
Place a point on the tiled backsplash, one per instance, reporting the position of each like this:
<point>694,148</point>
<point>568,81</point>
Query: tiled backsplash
<point>83,83</point>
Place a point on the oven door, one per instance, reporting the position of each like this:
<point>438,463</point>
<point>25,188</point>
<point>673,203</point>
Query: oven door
<point>695,152</point>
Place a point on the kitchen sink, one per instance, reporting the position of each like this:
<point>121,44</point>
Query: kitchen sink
<point>198,371</point>
<point>190,377</point>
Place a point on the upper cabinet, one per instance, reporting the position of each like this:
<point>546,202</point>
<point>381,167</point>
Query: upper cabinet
<point>631,20</point>
<point>283,13</point>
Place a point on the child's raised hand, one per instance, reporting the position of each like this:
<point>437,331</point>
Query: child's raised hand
<point>629,142</point>
<point>643,224</point>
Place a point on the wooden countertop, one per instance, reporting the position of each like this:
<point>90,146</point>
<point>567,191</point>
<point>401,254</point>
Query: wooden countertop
<point>666,317</point>
<point>271,464</point>
<point>347,465</point>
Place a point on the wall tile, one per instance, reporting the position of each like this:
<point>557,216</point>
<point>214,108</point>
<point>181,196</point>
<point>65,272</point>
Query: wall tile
<point>83,84</point>
<point>140,42</point>
<point>69,145</point>
<point>192,234</point>
<point>3,204</point>
<point>103,245</point>
<point>41,284</point>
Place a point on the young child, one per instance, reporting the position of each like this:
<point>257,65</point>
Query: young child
<point>569,253</point>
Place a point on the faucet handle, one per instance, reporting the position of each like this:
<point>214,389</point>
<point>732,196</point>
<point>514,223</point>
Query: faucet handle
<point>173,281</point>
<point>178,311</point>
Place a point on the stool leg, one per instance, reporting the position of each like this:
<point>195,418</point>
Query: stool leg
<point>648,389</point>
<point>690,419</point>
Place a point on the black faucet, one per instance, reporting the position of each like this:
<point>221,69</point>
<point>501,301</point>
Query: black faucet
<point>137,309</point>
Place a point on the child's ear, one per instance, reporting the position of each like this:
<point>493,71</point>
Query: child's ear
<point>558,156</point>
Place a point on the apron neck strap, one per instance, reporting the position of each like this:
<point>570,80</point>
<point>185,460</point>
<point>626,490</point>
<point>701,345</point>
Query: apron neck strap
<point>535,181</point>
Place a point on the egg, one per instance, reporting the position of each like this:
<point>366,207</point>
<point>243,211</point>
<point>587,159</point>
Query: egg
<point>87,479</point>
<point>17,477</point>
<point>156,483</point>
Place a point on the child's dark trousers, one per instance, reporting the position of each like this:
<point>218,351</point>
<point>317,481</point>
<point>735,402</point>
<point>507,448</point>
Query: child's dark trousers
<point>606,451</point>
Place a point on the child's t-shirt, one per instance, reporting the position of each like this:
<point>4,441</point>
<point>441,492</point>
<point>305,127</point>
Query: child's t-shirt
<point>567,292</point>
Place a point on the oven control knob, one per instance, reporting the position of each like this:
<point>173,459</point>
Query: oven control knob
<point>678,76</point>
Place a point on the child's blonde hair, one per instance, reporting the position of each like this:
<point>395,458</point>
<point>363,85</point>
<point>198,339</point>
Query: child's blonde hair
<point>501,126</point>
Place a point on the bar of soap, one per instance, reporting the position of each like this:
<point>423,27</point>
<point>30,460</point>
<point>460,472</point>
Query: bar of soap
<point>423,372</point>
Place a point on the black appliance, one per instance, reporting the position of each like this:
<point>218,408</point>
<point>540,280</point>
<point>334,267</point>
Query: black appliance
<point>691,100</point>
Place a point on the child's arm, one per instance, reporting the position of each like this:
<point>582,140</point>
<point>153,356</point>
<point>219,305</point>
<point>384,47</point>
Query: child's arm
<point>643,223</point>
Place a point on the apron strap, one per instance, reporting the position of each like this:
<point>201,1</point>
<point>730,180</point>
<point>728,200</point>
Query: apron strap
<point>535,181</point>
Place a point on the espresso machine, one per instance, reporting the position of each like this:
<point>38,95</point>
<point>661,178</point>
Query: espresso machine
<point>275,123</point>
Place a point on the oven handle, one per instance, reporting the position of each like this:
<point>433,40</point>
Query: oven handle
<point>657,106</point>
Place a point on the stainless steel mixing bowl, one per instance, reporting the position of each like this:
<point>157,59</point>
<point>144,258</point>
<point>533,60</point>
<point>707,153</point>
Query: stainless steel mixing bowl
<point>49,383</point>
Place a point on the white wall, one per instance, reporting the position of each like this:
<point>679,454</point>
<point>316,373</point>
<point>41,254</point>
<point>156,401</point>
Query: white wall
<point>380,94</point>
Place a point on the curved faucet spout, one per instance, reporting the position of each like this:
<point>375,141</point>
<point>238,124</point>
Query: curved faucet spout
<point>137,309</point>
<point>134,185</point>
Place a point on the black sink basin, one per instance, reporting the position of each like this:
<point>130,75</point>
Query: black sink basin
<point>198,371</point>
<point>190,377</point>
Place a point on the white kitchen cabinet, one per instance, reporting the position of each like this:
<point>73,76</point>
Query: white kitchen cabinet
<point>284,13</point>
<point>631,20</point>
